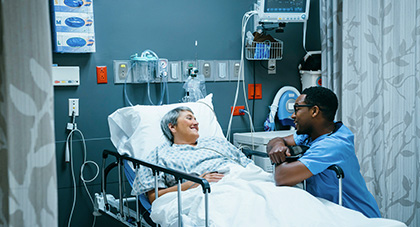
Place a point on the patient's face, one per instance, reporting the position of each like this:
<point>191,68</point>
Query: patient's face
<point>186,130</point>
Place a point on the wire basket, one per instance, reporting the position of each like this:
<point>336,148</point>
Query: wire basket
<point>265,50</point>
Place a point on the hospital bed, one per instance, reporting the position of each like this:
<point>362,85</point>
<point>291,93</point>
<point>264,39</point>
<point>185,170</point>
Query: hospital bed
<point>135,131</point>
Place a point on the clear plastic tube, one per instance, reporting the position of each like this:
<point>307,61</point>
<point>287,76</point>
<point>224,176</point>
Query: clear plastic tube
<point>245,20</point>
<point>125,85</point>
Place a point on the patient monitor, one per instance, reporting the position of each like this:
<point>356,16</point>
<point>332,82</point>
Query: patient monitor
<point>282,11</point>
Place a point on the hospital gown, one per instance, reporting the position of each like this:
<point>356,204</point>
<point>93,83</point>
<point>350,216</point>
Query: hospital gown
<point>210,154</point>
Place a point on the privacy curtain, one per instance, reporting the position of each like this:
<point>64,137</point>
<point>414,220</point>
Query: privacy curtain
<point>28,184</point>
<point>371,58</point>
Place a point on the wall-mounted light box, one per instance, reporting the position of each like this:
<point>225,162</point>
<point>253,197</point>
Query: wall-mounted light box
<point>66,75</point>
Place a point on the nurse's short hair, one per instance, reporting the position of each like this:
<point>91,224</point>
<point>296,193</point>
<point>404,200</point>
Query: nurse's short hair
<point>172,118</point>
<point>324,98</point>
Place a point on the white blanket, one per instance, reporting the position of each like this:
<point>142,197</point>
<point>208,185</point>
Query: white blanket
<point>249,197</point>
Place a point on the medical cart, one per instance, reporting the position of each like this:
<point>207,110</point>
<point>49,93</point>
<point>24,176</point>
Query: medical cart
<point>258,141</point>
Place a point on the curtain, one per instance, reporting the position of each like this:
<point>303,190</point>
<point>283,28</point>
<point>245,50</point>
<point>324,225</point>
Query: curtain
<point>28,182</point>
<point>379,90</point>
<point>331,46</point>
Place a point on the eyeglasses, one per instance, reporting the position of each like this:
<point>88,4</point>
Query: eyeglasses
<point>306,105</point>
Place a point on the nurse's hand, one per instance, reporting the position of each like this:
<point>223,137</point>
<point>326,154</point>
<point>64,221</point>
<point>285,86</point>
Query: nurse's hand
<point>277,151</point>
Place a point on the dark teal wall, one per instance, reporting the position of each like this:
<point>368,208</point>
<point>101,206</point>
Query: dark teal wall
<point>169,28</point>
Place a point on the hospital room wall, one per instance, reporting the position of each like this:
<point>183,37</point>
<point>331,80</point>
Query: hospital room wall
<point>170,29</point>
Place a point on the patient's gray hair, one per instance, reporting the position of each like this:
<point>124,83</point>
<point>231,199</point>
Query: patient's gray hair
<point>172,118</point>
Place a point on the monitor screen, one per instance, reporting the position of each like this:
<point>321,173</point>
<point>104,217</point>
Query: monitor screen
<point>283,10</point>
<point>289,6</point>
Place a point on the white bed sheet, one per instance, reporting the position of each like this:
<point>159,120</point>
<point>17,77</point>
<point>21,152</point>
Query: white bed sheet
<point>249,197</point>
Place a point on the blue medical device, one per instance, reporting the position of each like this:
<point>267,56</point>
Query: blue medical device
<point>283,107</point>
<point>286,107</point>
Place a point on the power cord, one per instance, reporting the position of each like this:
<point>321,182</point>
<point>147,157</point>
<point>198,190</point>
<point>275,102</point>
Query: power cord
<point>245,20</point>
<point>251,125</point>
<point>69,149</point>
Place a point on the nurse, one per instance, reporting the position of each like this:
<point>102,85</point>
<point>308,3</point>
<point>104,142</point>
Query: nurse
<point>330,143</point>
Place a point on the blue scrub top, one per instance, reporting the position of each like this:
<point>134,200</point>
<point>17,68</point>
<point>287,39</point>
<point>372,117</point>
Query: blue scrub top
<point>337,148</point>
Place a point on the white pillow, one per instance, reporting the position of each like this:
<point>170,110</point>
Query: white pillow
<point>136,130</point>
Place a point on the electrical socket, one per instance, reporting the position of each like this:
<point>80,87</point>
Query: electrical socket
<point>73,107</point>
<point>236,111</point>
<point>101,75</point>
<point>258,91</point>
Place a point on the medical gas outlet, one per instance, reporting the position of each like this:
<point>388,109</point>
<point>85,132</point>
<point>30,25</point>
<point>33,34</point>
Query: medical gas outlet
<point>178,71</point>
<point>122,70</point>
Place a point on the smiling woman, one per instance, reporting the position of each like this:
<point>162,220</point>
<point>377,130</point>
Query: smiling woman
<point>206,157</point>
<point>182,125</point>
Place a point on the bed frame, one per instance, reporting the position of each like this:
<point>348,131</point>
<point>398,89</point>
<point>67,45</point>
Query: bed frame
<point>119,209</point>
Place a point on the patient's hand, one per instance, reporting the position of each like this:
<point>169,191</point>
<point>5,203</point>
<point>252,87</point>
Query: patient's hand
<point>212,176</point>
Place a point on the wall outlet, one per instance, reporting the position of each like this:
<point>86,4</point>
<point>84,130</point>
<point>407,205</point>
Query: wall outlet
<point>258,91</point>
<point>101,75</point>
<point>236,111</point>
<point>73,107</point>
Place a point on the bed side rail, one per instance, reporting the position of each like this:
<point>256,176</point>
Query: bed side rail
<point>337,169</point>
<point>249,153</point>
<point>179,176</point>
<point>106,172</point>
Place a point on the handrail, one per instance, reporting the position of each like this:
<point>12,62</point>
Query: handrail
<point>249,153</point>
<point>337,169</point>
<point>178,174</point>
<point>106,172</point>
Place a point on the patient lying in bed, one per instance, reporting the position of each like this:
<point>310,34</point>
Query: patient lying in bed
<point>205,157</point>
<point>244,194</point>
